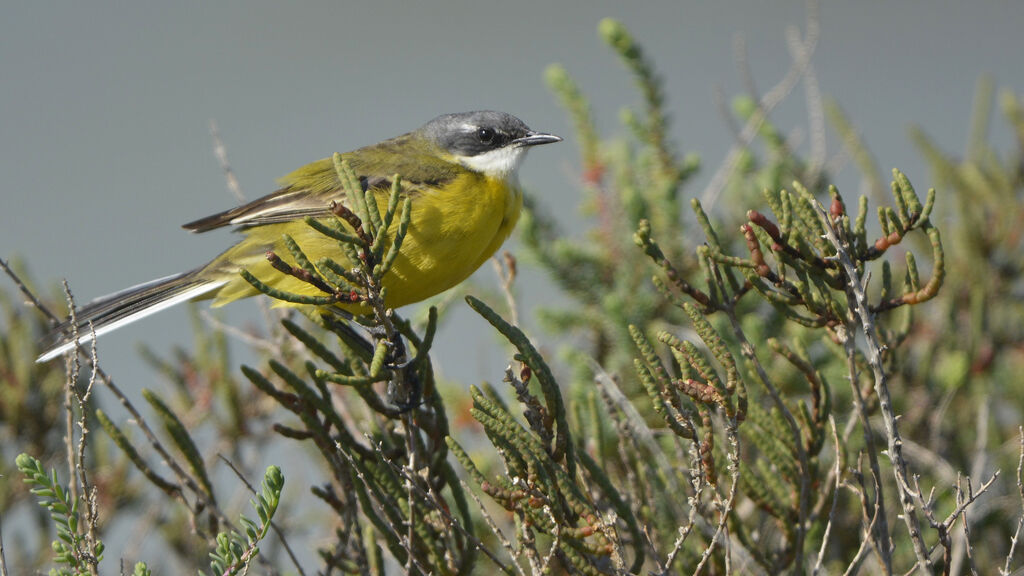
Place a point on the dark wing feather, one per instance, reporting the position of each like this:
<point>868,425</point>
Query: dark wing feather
<point>281,206</point>
<point>310,190</point>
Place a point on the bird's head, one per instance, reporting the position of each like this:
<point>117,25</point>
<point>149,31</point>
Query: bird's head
<point>491,143</point>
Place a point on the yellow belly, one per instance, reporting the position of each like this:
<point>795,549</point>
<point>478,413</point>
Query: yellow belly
<point>451,234</point>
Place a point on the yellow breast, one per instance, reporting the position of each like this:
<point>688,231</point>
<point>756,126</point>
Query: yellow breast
<point>452,232</point>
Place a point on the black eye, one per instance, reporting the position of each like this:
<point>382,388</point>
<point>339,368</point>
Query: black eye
<point>486,135</point>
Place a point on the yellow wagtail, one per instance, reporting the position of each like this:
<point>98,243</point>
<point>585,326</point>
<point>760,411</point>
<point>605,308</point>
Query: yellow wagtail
<point>459,170</point>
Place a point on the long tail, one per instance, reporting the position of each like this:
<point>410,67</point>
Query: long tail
<point>115,310</point>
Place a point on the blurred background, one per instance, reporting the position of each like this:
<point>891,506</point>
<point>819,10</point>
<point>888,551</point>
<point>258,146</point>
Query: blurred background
<point>105,111</point>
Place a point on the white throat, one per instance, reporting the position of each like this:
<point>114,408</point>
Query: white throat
<point>500,163</point>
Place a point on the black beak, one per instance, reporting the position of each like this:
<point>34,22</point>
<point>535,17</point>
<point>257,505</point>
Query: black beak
<point>536,139</point>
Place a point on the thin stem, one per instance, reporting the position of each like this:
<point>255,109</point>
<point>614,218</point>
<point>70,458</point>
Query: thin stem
<point>835,500</point>
<point>794,428</point>
<point>879,534</point>
<point>873,352</point>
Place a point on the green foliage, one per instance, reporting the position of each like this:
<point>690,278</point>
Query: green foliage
<point>181,438</point>
<point>72,548</point>
<point>775,296</point>
<point>542,487</point>
<point>31,394</point>
<point>234,553</point>
<point>600,273</point>
<point>378,503</point>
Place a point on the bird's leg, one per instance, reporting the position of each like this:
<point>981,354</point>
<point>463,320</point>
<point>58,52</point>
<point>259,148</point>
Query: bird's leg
<point>404,387</point>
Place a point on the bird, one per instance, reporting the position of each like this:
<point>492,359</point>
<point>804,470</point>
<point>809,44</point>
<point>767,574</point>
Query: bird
<point>458,170</point>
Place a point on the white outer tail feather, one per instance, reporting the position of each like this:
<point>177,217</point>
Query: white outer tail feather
<point>85,338</point>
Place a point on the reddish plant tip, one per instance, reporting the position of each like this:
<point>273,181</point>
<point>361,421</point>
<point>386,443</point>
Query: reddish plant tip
<point>754,246</point>
<point>593,175</point>
<point>511,264</point>
<point>836,209</point>
<point>763,222</point>
<point>525,373</point>
<point>986,355</point>
<point>885,242</point>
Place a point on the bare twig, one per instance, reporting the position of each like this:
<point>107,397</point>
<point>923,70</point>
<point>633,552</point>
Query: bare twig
<point>3,559</point>
<point>410,471</point>
<point>725,508</point>
<point>871,520</point>
<point>963,501</point>
<point>636,423</point>
<point>873,352</point>
<point>222,157</point>
<point>32,298</point>
<point>88,490</point>
<point>251,340</point>
<point>868,542</point>
<point>70,373</point>
<point>749,352</point>
<point>879,534</point>
<point>507,273</point>
<point>961,540</point>
<point>1005,571</point>
<point>699,482</point>
<point>505,543</point>
<point>835,500</point>
<point>412,559</point>
<point>556,543</point>
<point>967,537</point>
<point>79,488</point>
